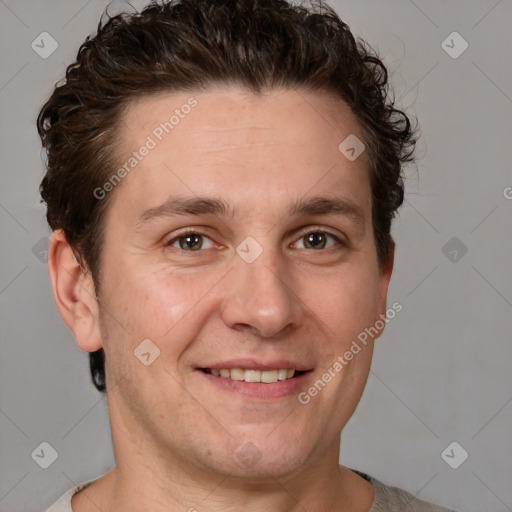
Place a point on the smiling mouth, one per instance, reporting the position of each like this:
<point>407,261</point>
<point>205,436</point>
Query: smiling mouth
<point>255,376</point>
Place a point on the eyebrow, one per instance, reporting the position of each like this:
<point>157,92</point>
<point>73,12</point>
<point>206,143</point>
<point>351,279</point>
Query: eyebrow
<point>313,206</point>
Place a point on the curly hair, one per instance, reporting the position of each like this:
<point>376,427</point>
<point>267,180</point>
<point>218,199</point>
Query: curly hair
<point>191,45</point>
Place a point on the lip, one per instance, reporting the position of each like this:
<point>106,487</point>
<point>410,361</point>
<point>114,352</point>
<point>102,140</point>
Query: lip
<point>261,390</point>
<point>252,364</point>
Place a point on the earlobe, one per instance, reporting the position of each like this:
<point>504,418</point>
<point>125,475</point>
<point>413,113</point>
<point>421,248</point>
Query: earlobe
<point>74,294</point>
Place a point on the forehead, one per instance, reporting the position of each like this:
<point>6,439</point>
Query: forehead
<point>280,145</point>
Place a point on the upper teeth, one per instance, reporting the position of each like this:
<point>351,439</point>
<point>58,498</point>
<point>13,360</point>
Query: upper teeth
<point>267,376</point>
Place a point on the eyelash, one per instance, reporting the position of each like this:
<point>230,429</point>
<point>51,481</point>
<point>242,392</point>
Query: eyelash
<point>192,231</point>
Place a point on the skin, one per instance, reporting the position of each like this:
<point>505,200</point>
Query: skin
<point>176,435</point>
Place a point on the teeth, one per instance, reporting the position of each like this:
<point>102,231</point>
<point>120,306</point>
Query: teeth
<point>252,376</point>
<point>282,374</point>
<point>266,376</point>
<point>269,376</point>
<point>237,374</point>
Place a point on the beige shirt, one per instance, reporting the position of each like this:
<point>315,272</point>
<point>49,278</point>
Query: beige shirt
<point>386,499</point>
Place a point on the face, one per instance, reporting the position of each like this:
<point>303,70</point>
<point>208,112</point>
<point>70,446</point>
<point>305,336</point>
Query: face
<point>239,244</point>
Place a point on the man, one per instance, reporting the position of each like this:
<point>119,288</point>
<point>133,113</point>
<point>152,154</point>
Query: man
<point>221,181</point>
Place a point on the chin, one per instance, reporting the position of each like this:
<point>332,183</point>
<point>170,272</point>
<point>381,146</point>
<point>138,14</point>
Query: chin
<point>264,458</point>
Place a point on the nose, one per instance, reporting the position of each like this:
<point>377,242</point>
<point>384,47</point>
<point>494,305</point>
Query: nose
<point>260,298</point>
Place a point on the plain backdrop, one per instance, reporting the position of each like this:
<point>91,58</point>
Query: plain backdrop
<point>441,372</point>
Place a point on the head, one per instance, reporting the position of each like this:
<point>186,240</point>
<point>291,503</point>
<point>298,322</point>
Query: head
<point>243,104</point>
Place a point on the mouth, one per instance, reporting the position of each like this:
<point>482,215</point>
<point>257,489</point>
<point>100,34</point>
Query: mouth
<point>265,382</point>
<point>254,375</point>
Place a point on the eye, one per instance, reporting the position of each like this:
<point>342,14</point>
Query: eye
<point>191,241</point>
<point>318,240</point>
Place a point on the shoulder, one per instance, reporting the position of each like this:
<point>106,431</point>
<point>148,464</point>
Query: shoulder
<point>63,504</point>
<point>393,499</point>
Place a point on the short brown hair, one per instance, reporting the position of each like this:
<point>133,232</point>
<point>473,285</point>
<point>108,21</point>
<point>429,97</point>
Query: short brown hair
<point>190,45</point>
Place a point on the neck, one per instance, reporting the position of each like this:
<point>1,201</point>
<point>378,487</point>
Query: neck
<point>318,487</point>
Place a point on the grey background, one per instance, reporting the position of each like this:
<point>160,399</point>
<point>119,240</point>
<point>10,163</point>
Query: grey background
<point>441,371</point>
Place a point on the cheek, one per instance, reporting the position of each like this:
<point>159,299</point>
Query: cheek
<point>346,302</point>
<point>150,306</point>
<point>157,305</point>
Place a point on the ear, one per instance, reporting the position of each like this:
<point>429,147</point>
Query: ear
<point>73,290</point>
<point>385,277</point>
